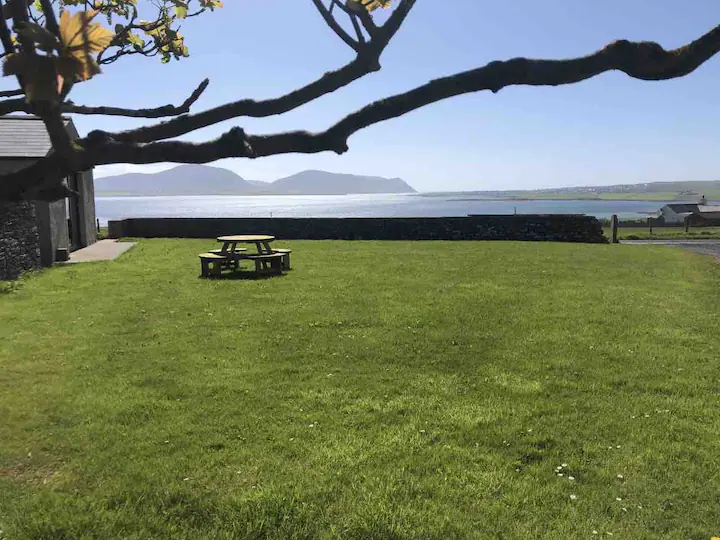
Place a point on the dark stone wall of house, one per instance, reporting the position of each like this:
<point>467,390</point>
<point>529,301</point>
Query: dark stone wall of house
<point>88,226</point>
<point>555,227</point>
<point>53,229</point>
<point>19,240</point>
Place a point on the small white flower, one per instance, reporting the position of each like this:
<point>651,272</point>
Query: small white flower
<point>647,416</point>
<point>595,532</point>
<point>640,507</point>
<point>560,474</point>
<point>620,476</point>
<point>571,478</point>
<point>311,425</point>
<point>624,509</point>
<point>618,446</point>
<point>529,430</point>
<point>564,464</point>
<point>573,497</point>
<point>185,479</point>
<point>618,499</point>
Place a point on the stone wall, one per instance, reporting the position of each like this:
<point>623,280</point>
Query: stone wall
<point>19,241</point>
<point>553,227</point>
<point>88,225</point>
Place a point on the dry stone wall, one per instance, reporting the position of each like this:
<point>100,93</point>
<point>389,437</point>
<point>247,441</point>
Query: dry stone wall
<point>19,240</point>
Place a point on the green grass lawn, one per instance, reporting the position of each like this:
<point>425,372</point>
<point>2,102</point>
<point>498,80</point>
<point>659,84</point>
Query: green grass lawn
<point>665,233</point>
<point>379,390</point>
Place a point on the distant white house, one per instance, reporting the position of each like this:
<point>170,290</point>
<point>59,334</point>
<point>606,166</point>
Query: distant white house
<point>677,213</point>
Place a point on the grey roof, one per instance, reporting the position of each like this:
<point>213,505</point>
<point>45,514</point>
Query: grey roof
<point>23,137</point>
<point>683,207</point>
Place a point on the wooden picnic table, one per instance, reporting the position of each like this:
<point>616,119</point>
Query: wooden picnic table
<point>261,241</point>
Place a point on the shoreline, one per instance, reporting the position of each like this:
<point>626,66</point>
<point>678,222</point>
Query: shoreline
<point>427,195</point>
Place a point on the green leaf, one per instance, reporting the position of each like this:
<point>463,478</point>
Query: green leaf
<point>136,41</point>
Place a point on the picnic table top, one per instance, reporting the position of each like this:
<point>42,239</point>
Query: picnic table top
<point>246,238</point>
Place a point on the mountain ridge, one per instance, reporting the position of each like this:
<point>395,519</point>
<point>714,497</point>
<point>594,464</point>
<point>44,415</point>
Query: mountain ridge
<point>206,180</point>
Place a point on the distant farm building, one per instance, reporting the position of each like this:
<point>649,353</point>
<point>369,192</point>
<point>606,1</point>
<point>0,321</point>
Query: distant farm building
<point>693,213</point>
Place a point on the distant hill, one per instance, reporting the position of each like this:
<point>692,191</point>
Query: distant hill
<point>653,191</point>
<point>182,180</point>
<point>206,180</point>
<point>325,183</point>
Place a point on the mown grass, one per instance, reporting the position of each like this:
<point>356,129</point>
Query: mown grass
<point>379,390</point>
<point>665,233</point>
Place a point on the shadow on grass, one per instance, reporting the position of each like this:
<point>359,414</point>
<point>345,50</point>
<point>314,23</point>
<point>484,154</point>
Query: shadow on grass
<point>252,276</point>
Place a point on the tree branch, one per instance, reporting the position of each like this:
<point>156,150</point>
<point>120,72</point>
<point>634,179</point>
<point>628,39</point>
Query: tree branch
<point>367,61</point>
<point>11,93</point>
<point>50,21</point>
<point>358,30</point>
<point>158,112</point>
<point>644,60</point>
<point>48,111</point>
<point>8,106</point>
<point>5,36</point>
<point>20,105</point>
<point>18,9</point>
<point>333,24</point>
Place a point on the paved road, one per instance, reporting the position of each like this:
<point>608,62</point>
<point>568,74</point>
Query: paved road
<point>709,247</point>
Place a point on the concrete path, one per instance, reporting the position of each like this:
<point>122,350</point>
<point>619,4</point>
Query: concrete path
<point>102,250</point>
<point>708,247</point>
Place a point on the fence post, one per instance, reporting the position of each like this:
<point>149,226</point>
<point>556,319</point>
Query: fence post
<point>614,228</point>
<point>687,223</point>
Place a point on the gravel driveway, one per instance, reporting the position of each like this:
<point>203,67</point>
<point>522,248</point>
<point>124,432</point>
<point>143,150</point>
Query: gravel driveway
<point>709,247</point>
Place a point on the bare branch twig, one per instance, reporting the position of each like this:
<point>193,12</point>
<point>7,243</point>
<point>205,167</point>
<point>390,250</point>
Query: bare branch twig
<point>640,60</point>
<point>158,112</point>
<point>333,24</point>
<point>367,61</point>
<point>11,93</point>
<point>50,21</point>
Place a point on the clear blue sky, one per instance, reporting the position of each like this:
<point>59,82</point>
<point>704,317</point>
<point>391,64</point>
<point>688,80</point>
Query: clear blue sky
<point>611,129</point>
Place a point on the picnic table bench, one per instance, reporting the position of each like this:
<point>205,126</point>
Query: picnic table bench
<point>267,261</point>
<point>212,264</point>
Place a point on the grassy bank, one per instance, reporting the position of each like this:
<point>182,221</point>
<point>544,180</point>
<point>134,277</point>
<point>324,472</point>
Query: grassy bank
<point>379,390</point>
